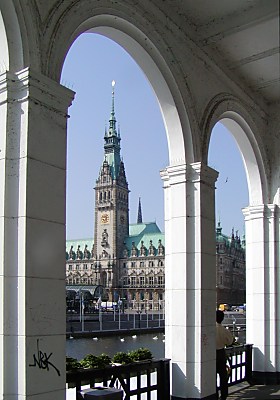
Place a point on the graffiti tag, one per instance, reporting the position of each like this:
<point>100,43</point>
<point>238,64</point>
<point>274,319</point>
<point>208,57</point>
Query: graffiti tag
<point>42,360</point>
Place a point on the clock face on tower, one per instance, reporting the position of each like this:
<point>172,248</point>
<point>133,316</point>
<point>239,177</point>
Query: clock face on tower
<point>105,218</point>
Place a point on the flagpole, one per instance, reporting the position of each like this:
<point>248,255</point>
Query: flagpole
<point>80,305</point>
<point>83,311</point>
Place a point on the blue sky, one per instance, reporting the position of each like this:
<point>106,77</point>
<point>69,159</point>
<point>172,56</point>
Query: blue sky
<point>90,66</point>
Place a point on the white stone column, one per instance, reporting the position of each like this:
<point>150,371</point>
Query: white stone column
<point>190,279</point>
<point>33,118</point>
<point>262,290</point>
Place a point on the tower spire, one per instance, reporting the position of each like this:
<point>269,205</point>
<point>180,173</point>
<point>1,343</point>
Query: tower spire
<point>112,120</point>
<point>111,225</point>
<point>139,215</point>
<point>113,97</point>
<point>112,141</point>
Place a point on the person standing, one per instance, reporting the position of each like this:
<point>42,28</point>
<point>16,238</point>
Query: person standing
<point>223,338</point>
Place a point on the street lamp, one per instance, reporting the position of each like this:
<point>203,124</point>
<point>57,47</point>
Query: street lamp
<point>233,325</point>
<point>139,316</point>
<point>99,301</point>
<point>121,299</point>
<point>119,307</point>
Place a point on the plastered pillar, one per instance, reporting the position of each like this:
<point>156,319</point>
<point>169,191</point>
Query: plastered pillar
<point>33,117</point>
<point>190,279</point>
<point>262,290</point>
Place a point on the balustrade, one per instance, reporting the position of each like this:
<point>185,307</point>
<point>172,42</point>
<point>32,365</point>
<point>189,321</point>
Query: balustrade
<point>153,376</point>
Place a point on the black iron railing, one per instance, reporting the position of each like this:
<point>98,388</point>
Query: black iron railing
<point>134,379</point>
<point>153,375</point>
<point>240,363</point>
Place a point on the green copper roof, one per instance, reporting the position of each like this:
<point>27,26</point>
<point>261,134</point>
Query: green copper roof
<point>137,232</point>
<point>146,238</point>
<point>146,233</point>
<point>229,240</point>
<point>79,242</point>
<point>83,245</point>
<point>149,227</point>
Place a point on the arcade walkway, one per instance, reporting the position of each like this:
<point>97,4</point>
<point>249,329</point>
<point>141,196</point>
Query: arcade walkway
<point>244,391</point>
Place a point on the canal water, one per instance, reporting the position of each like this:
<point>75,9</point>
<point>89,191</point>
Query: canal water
<point>79,348</point>
<point>110,345</point>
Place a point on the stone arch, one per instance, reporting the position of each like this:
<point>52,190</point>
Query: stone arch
<point>11,43</point>
<point>233,115</point>
<point>4,62</point>
<point>181,140</point>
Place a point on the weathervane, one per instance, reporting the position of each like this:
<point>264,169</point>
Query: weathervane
<point>113,95</point>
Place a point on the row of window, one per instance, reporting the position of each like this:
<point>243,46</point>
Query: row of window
<point>133,264</point>
<point>142,280</point>
<point>79,267</point>
<point>127,281</point>
<point>236,269</point>
<point>136,295</point>
<point>233,283</point>
<point>142,264</point>
<point>104,196</point>
<point>85,281</point>
<point>230,262</point>
<point>133,296</point>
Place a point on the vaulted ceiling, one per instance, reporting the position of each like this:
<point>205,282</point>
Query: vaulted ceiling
<point>241,36</point>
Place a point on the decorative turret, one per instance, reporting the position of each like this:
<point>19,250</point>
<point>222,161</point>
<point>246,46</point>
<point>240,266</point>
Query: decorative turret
<point>79,254</point>
<point>139,215</point>
<point>243,243</point>
<point>143,250</point>
<point>160,248</point>
<point>219,229</point>
<point>86,253</point>
<point>152,249</point>
<point>232,237</point>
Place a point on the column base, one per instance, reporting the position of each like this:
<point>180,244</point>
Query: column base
<point>210,397</point>
<point>265,378</point>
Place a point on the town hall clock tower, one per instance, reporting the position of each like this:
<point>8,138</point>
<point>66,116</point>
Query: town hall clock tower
<point>111,208</point>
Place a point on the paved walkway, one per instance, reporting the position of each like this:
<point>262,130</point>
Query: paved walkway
<point>245,391</point>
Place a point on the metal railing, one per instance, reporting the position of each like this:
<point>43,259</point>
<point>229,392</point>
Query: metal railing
<point>240,363</point>
<point>151,377</point>
<point>115,320</point>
